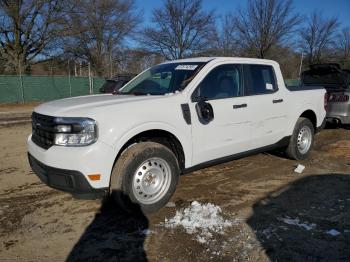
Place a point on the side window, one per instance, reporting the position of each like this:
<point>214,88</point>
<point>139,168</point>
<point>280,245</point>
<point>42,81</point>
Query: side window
<point>260,79</point>
<point>224,81</point>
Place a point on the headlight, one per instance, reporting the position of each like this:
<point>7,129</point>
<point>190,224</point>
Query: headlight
<point>75,131</point>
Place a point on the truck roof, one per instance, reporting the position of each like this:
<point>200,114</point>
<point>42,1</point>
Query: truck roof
<point>219,59</point>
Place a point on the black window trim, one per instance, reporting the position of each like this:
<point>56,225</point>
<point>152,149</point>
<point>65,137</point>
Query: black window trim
<point>246,82</point>
<point>195,99</point>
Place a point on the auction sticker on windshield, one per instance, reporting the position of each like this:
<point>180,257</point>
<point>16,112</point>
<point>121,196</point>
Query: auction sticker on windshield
<point>186,67</point>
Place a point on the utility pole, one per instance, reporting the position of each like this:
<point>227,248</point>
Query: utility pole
<point>301,64</point>
<point>90,82</point>
<point>21,79</point>
<point>70,84</point>
<point>110,64</point>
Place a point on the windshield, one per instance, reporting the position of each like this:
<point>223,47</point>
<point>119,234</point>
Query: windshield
<point>163,79</point>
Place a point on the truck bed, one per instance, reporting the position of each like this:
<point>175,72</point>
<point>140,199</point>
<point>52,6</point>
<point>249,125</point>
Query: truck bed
<point>303,88</point>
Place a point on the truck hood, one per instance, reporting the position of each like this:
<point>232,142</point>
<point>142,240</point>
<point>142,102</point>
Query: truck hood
<point>84,105</point>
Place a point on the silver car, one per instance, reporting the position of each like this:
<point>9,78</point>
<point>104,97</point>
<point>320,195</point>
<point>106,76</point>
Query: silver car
<point>338,108</point>
<point>337,83</point>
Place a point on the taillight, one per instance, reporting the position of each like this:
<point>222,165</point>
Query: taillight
<point>339,98</point>
<point>325,101</point>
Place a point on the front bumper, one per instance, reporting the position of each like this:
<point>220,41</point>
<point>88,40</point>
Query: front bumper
<point>70,181</point>
<point>97,158</point>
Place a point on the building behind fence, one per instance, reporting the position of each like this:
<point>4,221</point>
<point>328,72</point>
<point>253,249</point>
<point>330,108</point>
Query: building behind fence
<point>16,89</point>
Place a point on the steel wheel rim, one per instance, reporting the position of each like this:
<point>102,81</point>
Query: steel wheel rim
<point>304,139</point>
<point>151,180</point>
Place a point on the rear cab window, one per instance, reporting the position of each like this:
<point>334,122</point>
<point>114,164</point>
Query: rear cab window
<point>259,79</point>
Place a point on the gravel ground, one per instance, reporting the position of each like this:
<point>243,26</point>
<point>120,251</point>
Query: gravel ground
<point>252,209</point>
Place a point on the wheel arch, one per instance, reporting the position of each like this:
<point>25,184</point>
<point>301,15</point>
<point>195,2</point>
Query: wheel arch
<point>160,136</point>
<point>311,115</point>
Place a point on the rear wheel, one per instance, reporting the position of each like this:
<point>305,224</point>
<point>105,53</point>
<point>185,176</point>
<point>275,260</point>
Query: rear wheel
<point>302,140</point>
<point>145,177</point>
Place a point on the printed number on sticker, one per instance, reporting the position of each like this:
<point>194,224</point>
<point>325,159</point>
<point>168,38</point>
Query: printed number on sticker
<point>186,67</point>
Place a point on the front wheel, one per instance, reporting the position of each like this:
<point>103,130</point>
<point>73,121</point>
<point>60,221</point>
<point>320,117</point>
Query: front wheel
<point>145,176</point>
<point>302,140</point>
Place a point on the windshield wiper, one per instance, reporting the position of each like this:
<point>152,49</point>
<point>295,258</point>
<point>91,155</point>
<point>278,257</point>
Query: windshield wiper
<point>117,92</point>
<point>135,93</point>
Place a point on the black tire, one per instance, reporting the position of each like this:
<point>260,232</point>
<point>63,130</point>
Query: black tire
<point>293,150</point>
<point>125,173</point>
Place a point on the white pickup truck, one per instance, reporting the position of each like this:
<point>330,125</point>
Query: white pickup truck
<point>170,119</point>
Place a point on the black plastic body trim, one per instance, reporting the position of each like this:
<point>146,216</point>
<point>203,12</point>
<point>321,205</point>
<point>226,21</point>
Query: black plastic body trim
<point>280,144</point>
<point>69,181</point>
<point>186,112</point>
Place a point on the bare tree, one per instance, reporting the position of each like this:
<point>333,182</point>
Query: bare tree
<point>226,42</point>
<point>145,59</point>
<point>343,46</point>
<point>318,36</point>
<point>181,28</point>
<point>264,24</point>
<point>27,29</point>
<point>97,29</point>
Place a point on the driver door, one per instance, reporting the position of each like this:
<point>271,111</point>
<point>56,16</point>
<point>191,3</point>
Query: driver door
<point>222,118</point>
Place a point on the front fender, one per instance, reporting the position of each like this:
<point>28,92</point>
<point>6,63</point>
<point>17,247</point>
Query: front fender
<point>183,138</point>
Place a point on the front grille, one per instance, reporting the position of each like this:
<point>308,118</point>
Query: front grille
<point>43,130</point>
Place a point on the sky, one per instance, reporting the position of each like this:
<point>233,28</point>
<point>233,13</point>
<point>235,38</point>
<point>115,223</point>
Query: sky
<point>329,8</point>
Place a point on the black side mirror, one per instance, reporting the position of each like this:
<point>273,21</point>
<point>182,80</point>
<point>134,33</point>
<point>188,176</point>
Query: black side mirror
<point>205,112</point>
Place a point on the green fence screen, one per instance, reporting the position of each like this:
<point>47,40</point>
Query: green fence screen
<point>292,82</point>
<point>14,89</point>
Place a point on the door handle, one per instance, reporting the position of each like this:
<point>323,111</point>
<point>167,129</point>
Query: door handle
<point>239,106</point>
<point>275,101</point>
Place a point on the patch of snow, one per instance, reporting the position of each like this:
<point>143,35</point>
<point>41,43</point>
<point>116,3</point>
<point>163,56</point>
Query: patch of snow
<point>299,169</point>
<point>200,219</point>
<point>296,222</point>
<point>201,239</point>
<point>146,232</point>
<point>170,204</point>
<point>333,232</point>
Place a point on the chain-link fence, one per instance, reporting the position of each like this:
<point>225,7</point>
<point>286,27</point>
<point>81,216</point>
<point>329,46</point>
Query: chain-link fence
<point>17,89</point>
